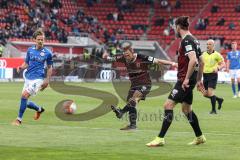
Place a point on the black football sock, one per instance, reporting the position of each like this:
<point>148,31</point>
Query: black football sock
<point>213,102</point>
<point>193,120</point>
<point>125,109</point>
<point>168,117</point>
<point>217,98</point>
<point>128,106</point>
<point>133,116</point>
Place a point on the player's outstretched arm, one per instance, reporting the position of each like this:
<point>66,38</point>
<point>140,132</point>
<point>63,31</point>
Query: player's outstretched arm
<point>161,61</point>
<point>109,58</point>
<point>47,79</point>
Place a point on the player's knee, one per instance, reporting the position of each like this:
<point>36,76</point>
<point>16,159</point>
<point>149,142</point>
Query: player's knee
<point>132,102</point>
<point>25,95</point>
<point>209,94</point>
<point>205,94</point>
<point>186,108</point>
<point>137,95</point>
<point>168,105</point>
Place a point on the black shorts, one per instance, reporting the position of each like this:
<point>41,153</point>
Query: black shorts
<point>144,89</point>
<point>178,95</point>
<point>210,80</point>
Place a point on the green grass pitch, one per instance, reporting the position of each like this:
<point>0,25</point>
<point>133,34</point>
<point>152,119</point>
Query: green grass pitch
<point>101,139</point>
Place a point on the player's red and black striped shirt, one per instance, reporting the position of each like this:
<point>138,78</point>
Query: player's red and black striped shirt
<point>138,69</point>
<point>189,43</point>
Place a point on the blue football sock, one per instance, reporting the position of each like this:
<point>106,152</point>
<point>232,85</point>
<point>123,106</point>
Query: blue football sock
<point>23,106</point>
<point>238,87</point>
<point>33,106</point>
<point>233,89</point>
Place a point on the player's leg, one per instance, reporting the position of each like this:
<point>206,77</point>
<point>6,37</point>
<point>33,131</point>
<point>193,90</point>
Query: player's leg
<point>233,88</point>
<point>39,110</point>
<point>210,87</point>
<point>132,110</point>
<point>193,120</point>
<point>209,91</point>
<point>22,107</point>
<point>120,112</point>
<point>167,121</point>
<point>238,81</point>
<point>134,95</point>
<point>31,87</point>
<point>34,88</point>
<point>168,117</point>
<point>233,76</point>
<point>176,95</point>
<point>212,97</point>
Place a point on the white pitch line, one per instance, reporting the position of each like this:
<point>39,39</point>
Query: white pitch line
<point>140,130</point>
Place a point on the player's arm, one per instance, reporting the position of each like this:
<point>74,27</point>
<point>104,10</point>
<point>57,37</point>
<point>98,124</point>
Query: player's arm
<point>47,79</point>
<point>112,58</point>
<point>49,72</point>
<point>191,67</point>
<point>25,63</point>
<point>108,58</point>
<point>22,67</point>
<point>200,86</point>
<point>221,63</point>
<point>165,62</point>
<point>228,65</point>
<point>200,70</point>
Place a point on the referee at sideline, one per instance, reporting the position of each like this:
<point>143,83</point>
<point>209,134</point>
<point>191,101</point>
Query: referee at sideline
<point>213,62</point>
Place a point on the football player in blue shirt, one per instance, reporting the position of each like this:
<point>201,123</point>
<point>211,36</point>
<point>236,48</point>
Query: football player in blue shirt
<point>35,78</point>
<point>233,67</point>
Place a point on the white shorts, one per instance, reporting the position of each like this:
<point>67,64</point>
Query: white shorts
<point>234,73</point>
<point>32,86</point>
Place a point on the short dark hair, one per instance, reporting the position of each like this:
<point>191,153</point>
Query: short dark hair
<point>183,22</point>
<point>126,45</point>
<point>38,32</point>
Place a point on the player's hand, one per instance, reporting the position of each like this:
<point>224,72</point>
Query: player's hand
<point>185,84</point>
<point>105,55</point>
<point>175,65</point>
<point>215,70</point>
<point>200,87</point>
<point>44,85</point>
<point>19,69</point>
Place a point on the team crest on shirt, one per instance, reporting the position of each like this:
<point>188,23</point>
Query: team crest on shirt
<point>138,64</point>
<point>42,54</point>
<point>188,48</point>
<point>174,92</point>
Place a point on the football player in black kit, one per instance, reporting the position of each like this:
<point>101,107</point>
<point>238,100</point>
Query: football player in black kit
<point>138,70</point>
<point>190,69</point>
